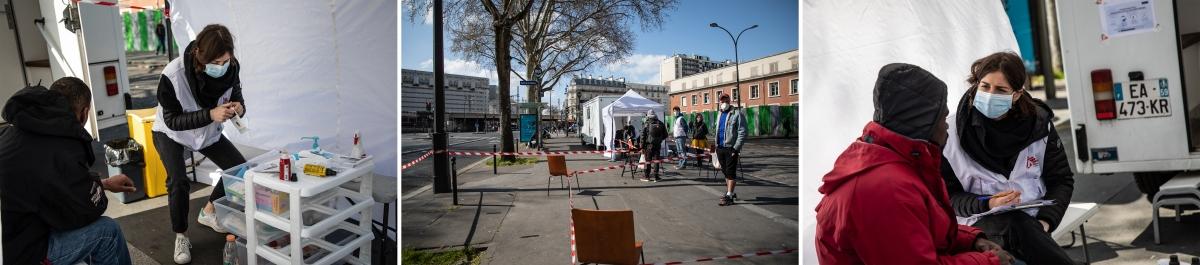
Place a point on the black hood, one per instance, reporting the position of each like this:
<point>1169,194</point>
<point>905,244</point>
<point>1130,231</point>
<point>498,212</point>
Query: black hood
<point>40,111</point>
<point>994,144</point>
<point>206,88</point>
<point>908,100</point>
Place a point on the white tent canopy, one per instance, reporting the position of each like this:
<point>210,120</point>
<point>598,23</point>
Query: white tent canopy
<point>629,105</point>
<point>309,68</point>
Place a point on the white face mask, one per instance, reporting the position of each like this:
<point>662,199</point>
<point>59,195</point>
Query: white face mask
<point>724,106</point>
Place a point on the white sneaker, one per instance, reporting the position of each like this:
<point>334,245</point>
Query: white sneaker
<point>210,221</point>
<point>183,250</point>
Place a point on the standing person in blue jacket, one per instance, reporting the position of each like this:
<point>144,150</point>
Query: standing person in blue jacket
<point>731,134</point>
<point>197,93</point>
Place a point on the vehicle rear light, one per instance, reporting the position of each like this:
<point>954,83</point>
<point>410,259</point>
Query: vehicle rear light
<point>110,80</point>
<point>1102,93</point>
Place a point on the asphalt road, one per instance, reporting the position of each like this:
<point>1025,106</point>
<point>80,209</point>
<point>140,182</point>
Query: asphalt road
<point>412,146</point>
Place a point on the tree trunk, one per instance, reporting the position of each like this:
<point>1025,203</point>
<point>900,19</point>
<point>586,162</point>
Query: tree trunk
<point>503,35</point>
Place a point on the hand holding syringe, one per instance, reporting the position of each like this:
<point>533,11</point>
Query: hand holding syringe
<point>234,111</point>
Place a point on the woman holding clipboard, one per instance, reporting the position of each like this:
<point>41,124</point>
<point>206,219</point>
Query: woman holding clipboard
<point>1003,150</point>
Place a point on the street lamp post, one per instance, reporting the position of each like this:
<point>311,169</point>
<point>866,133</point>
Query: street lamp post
<point>737,79</point>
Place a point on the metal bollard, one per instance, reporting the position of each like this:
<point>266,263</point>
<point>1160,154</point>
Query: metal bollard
<point>454,177</point>
<point>493,159</point>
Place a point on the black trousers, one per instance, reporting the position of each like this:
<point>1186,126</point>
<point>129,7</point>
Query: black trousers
<point>728,162</point>
<point>651,152</point>
<point>222,153</point>
<point>1022,235</point>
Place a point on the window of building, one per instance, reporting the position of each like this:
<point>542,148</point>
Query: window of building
<point>706,98</point>
<point>753,91</point>
<point>773,89</point>
<point>774,67</point>
<point>683,101</point>
<point>693,99</point>
<point>737,95</point>
<point>795,88</point>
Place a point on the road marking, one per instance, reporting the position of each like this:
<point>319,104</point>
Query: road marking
<point>758,210</point>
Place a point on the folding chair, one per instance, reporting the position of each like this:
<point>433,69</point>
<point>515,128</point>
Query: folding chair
<point>630,160</point>
<point>558,168</point>
<point>606,237</point>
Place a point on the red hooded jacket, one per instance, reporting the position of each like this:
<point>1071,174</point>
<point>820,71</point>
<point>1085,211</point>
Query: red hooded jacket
<point>885,203</point>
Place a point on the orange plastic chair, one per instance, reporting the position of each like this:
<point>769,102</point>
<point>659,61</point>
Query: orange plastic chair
<point>558,168</point>
<point>606,237</point>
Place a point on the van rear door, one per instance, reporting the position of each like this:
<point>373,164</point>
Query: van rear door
<point>1126,90</point>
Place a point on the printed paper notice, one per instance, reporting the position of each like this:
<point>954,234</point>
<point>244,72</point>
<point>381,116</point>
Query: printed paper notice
<point>1126,17</point>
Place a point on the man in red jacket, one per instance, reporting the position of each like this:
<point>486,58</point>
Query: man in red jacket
<point>885,202</point>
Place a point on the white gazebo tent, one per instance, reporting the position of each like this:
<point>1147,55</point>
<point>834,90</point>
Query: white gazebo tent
<point>630,105</point>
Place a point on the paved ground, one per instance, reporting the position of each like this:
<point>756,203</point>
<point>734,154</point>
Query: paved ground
<point>511,216</point>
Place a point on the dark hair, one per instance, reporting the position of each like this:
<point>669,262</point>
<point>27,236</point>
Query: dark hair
<point>75,90</point>
<point>211,43</point>
<point>1013,68</point>
<point>675,108</point>
<point>723,97</point>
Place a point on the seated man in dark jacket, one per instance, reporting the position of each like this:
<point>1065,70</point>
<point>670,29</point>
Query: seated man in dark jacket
<point>51,204</point>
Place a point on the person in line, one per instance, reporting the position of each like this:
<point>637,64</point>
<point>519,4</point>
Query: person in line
<point>679,131</point>
<point>699,136</point>
<point>1003,150</point>
<point>654,132</point>
<point>731,135</point>
<point>197,93</point>
<point>52,205</point>
<point>160,33</point>
<point>885,202</point>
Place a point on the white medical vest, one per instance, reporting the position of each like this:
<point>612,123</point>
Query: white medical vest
<point>194,139</point>
<point>1026,174</point>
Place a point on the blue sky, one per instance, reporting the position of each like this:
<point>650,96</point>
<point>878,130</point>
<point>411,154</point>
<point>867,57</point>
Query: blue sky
<point>685,30</point>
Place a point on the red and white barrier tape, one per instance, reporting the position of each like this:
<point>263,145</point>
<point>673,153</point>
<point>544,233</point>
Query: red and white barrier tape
<point>673,158</point>
<point>414,162</point>
<point>474,153</point>
<point>747,255</point>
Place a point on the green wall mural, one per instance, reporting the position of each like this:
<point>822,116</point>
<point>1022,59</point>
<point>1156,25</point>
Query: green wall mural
<point>761,121</point>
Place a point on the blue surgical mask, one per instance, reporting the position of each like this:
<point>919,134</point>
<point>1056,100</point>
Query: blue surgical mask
<point>215,70</point>
<point>992,105</point>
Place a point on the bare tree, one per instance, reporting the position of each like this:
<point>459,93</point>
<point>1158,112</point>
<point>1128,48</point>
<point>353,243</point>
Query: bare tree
<point>477,17</point>
<point>557,37</point>
<point>564,37</point>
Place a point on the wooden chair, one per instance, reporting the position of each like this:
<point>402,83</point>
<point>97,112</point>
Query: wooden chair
<point>606,237</point>
<point>558,168</point>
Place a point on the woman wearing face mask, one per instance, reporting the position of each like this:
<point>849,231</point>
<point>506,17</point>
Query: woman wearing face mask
<point>1003,149</point>
<point>699,136</point>
<point>197,93</point>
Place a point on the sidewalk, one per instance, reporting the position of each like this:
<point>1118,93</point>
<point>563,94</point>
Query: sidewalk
<point>511,217</point>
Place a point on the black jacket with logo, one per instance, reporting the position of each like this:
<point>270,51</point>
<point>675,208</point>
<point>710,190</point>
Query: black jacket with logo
<point>45,183</point>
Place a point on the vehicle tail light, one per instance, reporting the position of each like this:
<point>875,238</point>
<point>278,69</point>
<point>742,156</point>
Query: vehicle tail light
<point>1102,93</point>
<point>110,80</point>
